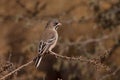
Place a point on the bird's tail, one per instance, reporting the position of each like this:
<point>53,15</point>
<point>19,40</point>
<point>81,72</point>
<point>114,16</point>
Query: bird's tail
<point>38,61</point>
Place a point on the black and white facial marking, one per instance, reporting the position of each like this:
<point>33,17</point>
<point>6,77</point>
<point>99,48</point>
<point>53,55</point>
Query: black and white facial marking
<point>53,24</point>
<point>56,24</point>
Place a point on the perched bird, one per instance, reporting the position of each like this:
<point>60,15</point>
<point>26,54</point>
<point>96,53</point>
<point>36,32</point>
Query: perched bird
<point>48,39</point>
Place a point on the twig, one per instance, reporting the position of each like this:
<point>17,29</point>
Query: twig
<point>81,58</point>
<point>112,74</point>
<point>90,40</point>
<point>93,61</point>
<point>16,70</point>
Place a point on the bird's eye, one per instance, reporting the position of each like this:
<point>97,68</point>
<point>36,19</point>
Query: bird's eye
<point>55,23</point>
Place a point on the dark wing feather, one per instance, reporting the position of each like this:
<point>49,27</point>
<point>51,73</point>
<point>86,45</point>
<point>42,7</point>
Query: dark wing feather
<point>44,45</point>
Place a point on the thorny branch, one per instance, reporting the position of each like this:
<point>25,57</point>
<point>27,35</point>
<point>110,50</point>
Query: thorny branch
<point>19,68</point>
<point>81,58</point>
<point>94,61</point>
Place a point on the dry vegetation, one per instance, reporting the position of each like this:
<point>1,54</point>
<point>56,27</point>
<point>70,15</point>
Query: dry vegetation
<point>88,46</point>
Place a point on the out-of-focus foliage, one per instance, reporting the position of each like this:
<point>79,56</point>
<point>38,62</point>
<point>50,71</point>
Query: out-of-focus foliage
<point>90,27</point>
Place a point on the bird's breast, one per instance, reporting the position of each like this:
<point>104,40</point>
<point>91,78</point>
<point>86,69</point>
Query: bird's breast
<point>54,44</point>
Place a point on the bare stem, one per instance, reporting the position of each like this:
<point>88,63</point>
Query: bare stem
<point>80,58</point>
<point>26,64</point>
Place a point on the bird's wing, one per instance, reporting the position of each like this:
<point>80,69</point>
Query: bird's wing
<point>43,47</point>
<point>45,43</point>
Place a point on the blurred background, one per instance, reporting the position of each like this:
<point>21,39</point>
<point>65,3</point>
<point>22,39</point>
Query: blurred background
<point>90,27</point>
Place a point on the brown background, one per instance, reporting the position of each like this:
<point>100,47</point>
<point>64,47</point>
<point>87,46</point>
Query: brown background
<point>22,22</point>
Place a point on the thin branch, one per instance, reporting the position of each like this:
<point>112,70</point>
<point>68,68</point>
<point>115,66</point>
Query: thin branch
<point>90,40</point>
<point>19,68</point>
<point>112,74</point>
<point>80,58</point>
<point>93,61</point>
<point>23,6</point>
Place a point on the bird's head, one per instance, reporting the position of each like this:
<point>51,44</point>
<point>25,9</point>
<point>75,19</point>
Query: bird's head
<point>53,24</point>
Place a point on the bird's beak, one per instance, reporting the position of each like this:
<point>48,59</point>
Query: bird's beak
<point>59,24</point>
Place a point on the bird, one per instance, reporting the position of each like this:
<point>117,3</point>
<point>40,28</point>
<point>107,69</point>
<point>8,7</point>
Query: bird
<point>48,39</point>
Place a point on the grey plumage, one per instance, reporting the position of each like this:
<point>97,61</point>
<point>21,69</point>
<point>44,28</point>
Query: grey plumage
<point>48,40</point>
